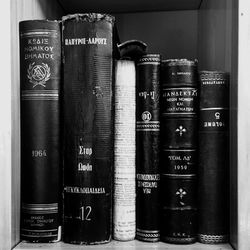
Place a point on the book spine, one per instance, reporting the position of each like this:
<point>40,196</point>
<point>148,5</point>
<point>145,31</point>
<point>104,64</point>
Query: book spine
<point>88,126</point>
<point>179,151</point>
<point>40,80</point>
<point>124,152</point>
<point>213,186</point>
<point>147,148</point>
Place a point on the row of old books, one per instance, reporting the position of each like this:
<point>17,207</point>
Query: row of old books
<point>117,141</point>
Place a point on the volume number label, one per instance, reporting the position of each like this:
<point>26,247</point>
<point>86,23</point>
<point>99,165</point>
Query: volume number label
<point>85,213</point>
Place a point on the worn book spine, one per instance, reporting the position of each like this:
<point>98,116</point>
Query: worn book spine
<point>179,80</point>
<point>88,125</point>
<point>148,148</point>
<point>132,49</point>
<point>213,186</point>
<point>40,82</point>
<point>124,152</point>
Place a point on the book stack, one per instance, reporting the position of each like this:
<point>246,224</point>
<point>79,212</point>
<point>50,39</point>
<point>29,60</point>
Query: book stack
<point>109,141</point>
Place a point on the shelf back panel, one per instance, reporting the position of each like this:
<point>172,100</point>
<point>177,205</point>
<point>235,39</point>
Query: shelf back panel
<point>114,6</point>
<point>173,34</point>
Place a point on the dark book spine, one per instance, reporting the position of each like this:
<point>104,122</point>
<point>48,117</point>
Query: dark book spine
<point>88,126</point>
<point>147,147</point>
<point>40,80</point>
<point>213,186</point>
<point>124,152</point>
<point>179,151</point>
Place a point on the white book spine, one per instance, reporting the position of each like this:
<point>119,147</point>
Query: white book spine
<point>124,151</point>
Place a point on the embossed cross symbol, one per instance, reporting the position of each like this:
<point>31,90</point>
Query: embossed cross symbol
<point>181,193</point>
<point>181,130</point>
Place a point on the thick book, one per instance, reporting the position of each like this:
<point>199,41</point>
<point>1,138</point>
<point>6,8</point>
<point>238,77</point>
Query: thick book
<point>148,147</point>
<point>179,131</point>
<point>40,83</point>
<point>88,127</point>
<point>213,186</point>
<point>124,151</point>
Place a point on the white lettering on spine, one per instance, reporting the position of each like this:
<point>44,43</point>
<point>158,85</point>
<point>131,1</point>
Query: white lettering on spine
<point>145,94</point>
<point>84,167</point>
<point>85,190</point>
<point>84,40</point>
<point>148,177</point>
<point>218,82</point>
<point>147,182</point>
<point>214,124</point>
<point>38,48</point>
<point>38,41</point>
<point>85,151</point>
<point>184,93</point>
<point>39,153</point>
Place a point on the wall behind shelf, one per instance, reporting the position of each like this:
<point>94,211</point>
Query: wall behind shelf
<point>215,35</point>
<point>173,34</point>
<point>122,6</point>
<point>5,128</point>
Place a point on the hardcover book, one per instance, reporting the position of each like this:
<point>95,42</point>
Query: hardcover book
<point>88,125</point>
<point>40,83</point>
<point>179,80</point>
<point>148,147</point>
<point>213,186</point>
<point>124,152</point>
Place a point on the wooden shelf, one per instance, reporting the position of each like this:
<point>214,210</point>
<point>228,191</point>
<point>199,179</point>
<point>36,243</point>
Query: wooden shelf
<point>121,6</point>
<point>117,245</point>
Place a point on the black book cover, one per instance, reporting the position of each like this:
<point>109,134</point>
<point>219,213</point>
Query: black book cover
<point>88,127</point>
<point>40,82</point>
<point>147,147</point>
<point>178,160</point>
<point>213,186</point>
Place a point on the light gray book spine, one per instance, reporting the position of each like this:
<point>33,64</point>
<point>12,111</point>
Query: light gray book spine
<point>124,152</point>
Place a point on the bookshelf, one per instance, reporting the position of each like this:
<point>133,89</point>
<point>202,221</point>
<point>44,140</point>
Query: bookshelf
<point>214,31</point>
